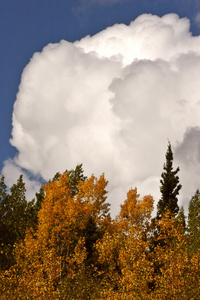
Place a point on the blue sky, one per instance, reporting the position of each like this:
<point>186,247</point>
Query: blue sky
<point>27,26</point>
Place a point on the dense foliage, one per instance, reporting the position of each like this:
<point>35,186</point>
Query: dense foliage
<point>64,244</point>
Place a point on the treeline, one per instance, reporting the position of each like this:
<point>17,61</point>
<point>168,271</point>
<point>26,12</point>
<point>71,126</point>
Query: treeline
<point>65,245</point>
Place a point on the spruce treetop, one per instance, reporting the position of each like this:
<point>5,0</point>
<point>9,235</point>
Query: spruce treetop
<point>170,186</point>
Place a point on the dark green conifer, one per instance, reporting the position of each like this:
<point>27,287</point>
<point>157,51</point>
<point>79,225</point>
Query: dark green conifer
<point>181,218</point>
<point>170,186</point>
<point>76,176</point>
<point>13,219</point>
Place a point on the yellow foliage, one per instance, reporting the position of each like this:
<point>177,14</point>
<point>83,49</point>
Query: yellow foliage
<point>78,252</point>
<point>123,251</point>
<point>174,276</point>
<point>57,250</point>
<point>136,212</point>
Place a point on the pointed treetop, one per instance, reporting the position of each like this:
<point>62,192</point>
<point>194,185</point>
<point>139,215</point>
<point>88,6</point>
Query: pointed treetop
<point>170,186</point>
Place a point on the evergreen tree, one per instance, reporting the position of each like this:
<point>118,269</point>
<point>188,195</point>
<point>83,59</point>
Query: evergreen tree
<point>33,208</point>
<point>16,215</point>
<point>181,218</point>
<point>18,208</point>
<point>13,211</point>
<point>170,187</point>
<point>4,232</point>
<point>76,176</point>
<point>194,222</point>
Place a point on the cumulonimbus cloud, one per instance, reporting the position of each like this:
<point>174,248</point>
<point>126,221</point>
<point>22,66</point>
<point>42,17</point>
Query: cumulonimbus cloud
<point>111,102</point>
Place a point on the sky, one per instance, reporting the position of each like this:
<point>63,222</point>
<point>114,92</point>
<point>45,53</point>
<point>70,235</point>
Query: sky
<point>105,83</point>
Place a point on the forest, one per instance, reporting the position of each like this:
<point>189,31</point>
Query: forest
<point>64,244</point>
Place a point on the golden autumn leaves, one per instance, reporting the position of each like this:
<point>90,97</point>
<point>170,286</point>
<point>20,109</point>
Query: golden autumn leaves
<point>79,252</point>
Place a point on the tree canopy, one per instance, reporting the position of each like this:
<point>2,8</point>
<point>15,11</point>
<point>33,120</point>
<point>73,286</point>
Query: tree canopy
<point>65,245</point>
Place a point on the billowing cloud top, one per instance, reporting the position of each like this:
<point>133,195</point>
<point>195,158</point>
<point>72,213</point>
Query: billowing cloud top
<point>111,101</point>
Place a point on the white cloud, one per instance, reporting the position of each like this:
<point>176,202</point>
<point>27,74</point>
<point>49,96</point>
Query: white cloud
<point>148,37</point>
<point>111,101</point>
<point>187,155</point>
